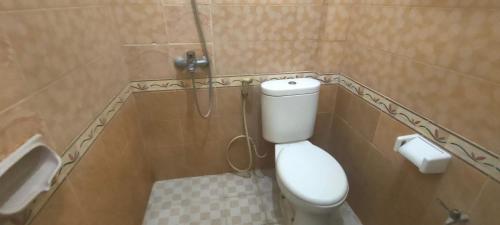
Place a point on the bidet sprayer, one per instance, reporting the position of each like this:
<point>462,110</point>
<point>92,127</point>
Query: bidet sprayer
<point>245,83</point>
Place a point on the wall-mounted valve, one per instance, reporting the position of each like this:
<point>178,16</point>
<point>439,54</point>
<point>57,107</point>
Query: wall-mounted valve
<point>190,62</point>
<point>455,216</point>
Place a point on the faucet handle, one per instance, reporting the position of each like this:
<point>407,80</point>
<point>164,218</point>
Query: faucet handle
<point>191,54</point>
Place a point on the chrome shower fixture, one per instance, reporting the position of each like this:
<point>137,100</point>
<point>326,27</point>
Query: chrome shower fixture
<point>190,62</point>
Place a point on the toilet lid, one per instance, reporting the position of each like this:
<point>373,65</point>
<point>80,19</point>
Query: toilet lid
<point>312,174</point>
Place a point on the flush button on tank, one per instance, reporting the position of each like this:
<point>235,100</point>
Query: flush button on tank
<point>292,82</point>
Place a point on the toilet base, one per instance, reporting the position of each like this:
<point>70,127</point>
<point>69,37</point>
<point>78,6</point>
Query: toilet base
<point>305,218</point>
<point>342,215</point>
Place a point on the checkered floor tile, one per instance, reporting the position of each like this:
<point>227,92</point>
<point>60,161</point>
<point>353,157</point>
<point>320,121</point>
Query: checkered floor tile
<point>224,199</point>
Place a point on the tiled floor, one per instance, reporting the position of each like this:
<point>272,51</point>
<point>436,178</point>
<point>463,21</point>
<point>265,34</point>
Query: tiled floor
<point>224,199</point>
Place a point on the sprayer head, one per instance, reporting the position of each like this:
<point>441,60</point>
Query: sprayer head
<point>245,83</point>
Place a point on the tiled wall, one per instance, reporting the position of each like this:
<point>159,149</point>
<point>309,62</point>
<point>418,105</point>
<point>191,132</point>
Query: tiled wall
<point>179,143</point>
<point>333,34</point>
<point>62,61</point>
<point>438,58</point>
<point>112,182</point>
<point>387,189</point>
<point>441,60</point>
<point>244,37</point>
<point>60,64</point>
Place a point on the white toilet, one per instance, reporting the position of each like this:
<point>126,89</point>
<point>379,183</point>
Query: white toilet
<point>310,178</point>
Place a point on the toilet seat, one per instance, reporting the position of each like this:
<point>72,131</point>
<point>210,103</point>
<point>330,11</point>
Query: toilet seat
<point>311,174</point>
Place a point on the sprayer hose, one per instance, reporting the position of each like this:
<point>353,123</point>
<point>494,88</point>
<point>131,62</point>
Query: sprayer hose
<point>250,143</point>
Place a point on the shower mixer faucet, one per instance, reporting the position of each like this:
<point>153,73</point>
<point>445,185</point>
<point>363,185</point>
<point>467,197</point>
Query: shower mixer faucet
<point>190,62</point>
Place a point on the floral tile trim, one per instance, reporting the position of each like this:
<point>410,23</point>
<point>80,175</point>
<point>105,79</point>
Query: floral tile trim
<point>84,141</point>
<point>474,154</point>
<point>229,81</point>
<point>76,151</point>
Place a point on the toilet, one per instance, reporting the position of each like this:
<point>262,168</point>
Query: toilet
<point>310,179</point>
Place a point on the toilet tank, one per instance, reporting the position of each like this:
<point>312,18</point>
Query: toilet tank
<point>289,109</point>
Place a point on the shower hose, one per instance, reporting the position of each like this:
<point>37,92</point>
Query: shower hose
<point>196,15</point>
<point>251,147</point>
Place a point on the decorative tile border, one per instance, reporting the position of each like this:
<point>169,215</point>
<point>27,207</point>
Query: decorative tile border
<point>84,141</point>
<point>474,154</point>
<point>479,157</point>
<point>75,152</point>
<point>228,81</point>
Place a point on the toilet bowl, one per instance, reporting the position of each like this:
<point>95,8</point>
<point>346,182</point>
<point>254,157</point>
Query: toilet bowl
<point>311,180</point>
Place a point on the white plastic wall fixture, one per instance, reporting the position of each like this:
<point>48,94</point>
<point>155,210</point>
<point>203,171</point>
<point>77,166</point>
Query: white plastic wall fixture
<point>428,157</point>
<point>25,174</point>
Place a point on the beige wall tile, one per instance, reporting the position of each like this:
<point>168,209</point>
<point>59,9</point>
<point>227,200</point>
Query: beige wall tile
<point>162,133</point>
<point>385,136</point>
<point>183,157</point>
<point>149,62</point>
<point>341,1</point>
<point>140,23</point>
<point>460,185</point>
<point>276,23</point>
<point>330,57</point>
<point>207,158</point>
<point>132,59</point>
<point>199,131</point>
<point>229,101</point>
<point>322,130</point>
<point>235,57</point>
<point>255,2</point>
<point>308,22</point>
<point>111,170</point>
<point>234,23</point>
<point>17,125</point>
<point>173,2</point>
<point>425,85</point>
<point>22,4</point>
<point>459,39</point>
<point>181,27</point>
<point>13,85</point>
<point>99,34</point>
<point>434,3</point>
<point>336,22</point>
<point>63,208</point>
<point>160,106</point>
<point>342,102</point>
<point>168,162</point>
<point>273,56</point>
<point>485,210</point>
<point>105,78</point>
<point>362,117</point>
<point>373,167</point>
<point>36,4</point>
<point>304,55</point>
<point>380,177</point>
<point>61,107</point>
<point>115,2</point>
<point>90,179</point>
<point>36,38</point>
<point>327,98</point>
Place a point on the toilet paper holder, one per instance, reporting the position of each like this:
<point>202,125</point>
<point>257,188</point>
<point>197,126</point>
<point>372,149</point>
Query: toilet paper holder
<point>427,156</point>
